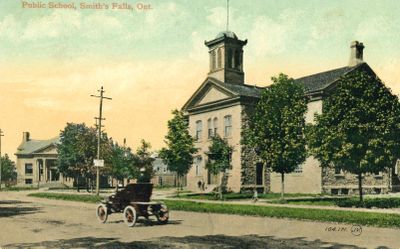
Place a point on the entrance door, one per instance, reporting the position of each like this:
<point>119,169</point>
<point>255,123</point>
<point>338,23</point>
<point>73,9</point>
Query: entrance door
<point>259,174</point>
<point>212,179</point>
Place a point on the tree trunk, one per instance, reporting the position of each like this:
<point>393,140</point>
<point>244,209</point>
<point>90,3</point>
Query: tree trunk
<point>91,184</point>
<point>283,185</point>
<point>221,185</point>
<point>360,186</point>
<point>263,179</point>
<point>177,184</point>
<point>87,184</point>
<point>77,183</point>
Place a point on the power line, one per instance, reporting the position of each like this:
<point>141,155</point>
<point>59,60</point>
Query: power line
<point>1,135</point>
<point>99,126</point>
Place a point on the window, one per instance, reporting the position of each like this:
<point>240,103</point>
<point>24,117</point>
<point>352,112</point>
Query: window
<point>298,169</point>
<point>212,60</point>
<point>215,126</point>
<point>338,171</point>
<point>230,58</point>
<point>209,128</point>
<point>28,181</point>
<point>197,162</point>
<point>334,191</point>
<point>28,168</point>
<point>198,130</point>
<point>228,126</point>
<point>219,58</point>
<point>237,60</point>
<point>259,174</point>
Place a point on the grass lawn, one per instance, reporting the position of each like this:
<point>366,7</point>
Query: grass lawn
<point>18,188</point>
<point>316,201</point>
<point>304,202</point>
<point>350,217</point>
<point>68,197</point>
<point>238,196</point>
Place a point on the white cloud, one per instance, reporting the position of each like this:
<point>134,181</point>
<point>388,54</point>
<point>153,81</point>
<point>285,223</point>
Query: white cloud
<point>127,26</point>
<point>99,24</point>
<point>199,50</point>
<point>272,36</point>
<point>327,24</point>
<point>217,17</point>
<point>58,23</point>
<point>374,28</point>
<point>8,27</point>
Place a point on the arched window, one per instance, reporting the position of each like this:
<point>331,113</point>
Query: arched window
<point>219,58</point>
<point>215,126</point>
<point>230,58</point>
<point>228,126</point>
<point>197,162</point>
<point>199,128</point>
<point>209,128</point>
<point>237,60</point>
<point>212,60</point>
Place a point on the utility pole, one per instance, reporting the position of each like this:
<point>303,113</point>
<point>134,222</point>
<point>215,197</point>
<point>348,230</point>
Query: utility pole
<point>1,135</point>
<point>99,119</point>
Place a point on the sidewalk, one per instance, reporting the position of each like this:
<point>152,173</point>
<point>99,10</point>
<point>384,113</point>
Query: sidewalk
<point>264,203</point>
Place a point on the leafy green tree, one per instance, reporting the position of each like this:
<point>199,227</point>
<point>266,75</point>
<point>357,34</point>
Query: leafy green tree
<point>178,155</point>
<point>144,162</point>
<point>219,155</point>
<point>359,128</point>
<point>122,163</point>
<point>78,148</point>
<point>8,170</point>
<point>276,129</point>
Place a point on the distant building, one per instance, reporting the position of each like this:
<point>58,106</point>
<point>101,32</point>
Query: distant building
<point>162,176</point>
<point>37,162</point>
<point>222,104</point>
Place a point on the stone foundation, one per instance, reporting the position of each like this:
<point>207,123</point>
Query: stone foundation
<point>347,183</point>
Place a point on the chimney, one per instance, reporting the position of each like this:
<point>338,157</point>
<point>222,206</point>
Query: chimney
<point>356,53</point>
<point>25,137</point>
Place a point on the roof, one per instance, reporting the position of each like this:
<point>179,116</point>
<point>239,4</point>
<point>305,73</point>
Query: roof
<point>241,89</point>
<point>320,81</point>
<point>312,83</point>
<point>229,34</point>
<point>34,146</point>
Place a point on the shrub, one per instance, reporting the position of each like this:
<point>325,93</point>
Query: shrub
<point>370,203</point>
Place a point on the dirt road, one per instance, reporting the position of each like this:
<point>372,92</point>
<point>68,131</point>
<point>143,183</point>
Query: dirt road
<point>27,222</point>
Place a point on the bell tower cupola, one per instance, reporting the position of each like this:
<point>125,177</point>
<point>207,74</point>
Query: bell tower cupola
<point>226,58</point>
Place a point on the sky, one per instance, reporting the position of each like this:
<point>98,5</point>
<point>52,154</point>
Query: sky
<point>150,61</point>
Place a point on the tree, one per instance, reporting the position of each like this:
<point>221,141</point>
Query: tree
<point>8,170</point>
<point>180,146</point>
<point>144,162</point>
<point>219,155</point>
<point>276,129</point>
<point>78,148</point>
<point>122,163</point>
<point>359,128</point>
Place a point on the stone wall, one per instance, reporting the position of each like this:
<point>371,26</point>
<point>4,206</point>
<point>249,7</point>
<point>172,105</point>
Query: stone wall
<point>249,160</point>
<point>347,183</point>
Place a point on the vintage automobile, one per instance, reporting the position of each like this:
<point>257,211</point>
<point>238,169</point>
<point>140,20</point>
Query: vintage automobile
<point>133,201</point>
